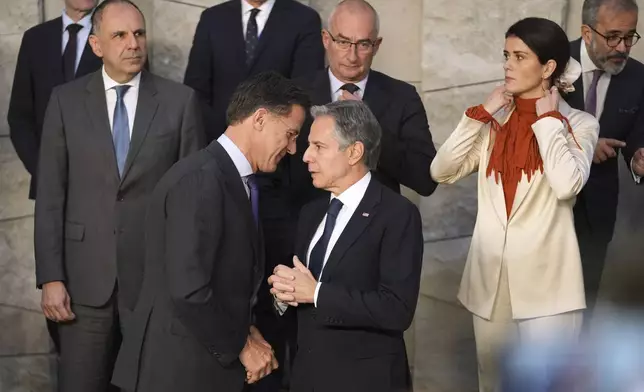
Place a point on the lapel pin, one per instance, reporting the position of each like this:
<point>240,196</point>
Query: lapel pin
<point>365,214</point>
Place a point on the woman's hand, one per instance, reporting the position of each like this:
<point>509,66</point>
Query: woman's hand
<point>497,100</point>
<point>549,102</point>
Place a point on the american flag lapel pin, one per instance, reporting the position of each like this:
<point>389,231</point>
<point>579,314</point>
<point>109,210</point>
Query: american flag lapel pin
<point>365,214</point>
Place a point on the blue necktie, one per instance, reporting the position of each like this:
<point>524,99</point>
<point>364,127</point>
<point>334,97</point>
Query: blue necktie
<point>254,196</point>
<point>121,129</point>
<point>316,260</point>
<point>252,36</point>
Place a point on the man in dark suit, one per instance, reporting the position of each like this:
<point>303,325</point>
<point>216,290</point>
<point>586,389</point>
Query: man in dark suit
<point>192,328</point>
<point>108,137</point>
<point>240,38</point>
<point>363,249</point>
<point>351,41</point>
<point>51,53</point>
<point>611,88</point>
<point>41,66</point>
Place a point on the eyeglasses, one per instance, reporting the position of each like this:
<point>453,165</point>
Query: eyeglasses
<point>614,40</point>
<point>364,45</point>
<point>291,132</point>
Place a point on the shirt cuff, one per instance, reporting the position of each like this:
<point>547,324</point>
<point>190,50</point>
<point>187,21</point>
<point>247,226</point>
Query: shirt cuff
<point>636,178</point>
<point>315,295</point>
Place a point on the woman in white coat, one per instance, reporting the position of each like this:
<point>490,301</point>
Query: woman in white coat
<point>532,153</point>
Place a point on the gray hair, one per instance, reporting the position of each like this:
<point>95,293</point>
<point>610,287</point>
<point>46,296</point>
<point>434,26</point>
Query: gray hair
<point>353,4</point>
<point>591,9</point>
<point>354,122</point>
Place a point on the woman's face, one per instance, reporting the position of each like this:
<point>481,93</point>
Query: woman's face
<point>525,76</point>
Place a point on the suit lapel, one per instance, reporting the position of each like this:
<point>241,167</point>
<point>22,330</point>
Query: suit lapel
<point>235,185</point>
<point>576,98</point>
<point>361,218</point>
<point>321,94</point>
<point>146,108</point>
<point>374,95</point>
<point>273,24</point>
<point>53,48</point>
<point>88,61</point>
<point>237,31</point>
<point>96,106</point>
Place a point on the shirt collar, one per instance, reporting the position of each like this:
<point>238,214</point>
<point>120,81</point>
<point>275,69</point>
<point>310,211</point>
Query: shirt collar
<point>337,83</point>
<point>264,8</point>
<point>111,83</point>
<point>86,22</point>
<point>353,195</point>
<point>238,157</point>
<point>587,64</point>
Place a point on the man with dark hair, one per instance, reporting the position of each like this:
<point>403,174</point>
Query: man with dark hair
<point>612,89</point>
<point>240,38</point>
<point>193,328</point>
<point>108,137</point>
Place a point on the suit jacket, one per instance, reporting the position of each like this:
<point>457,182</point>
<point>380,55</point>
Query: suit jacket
<point>622,118</point>
<point>353,339</point>
<point>88,221</point>
<point>290,44</point>
<point>203,270</point>
<point>38,70</point>
<point>537,242</point>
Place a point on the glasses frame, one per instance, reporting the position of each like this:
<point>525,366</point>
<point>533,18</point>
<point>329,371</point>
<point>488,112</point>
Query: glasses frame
<point>372,44</point>
<point>635,37</point>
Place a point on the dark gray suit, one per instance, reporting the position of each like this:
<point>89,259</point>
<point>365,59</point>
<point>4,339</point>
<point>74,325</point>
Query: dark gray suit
<point>89,223</point>
<point>203,271</point>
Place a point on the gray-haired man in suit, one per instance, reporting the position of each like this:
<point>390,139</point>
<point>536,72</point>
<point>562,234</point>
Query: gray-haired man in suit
<point>108,138</point>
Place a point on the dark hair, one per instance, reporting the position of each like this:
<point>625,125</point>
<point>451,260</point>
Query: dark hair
<point>268,90</point>
<point>590,9</point>
<point>546,39</point>
<point>97,16</point>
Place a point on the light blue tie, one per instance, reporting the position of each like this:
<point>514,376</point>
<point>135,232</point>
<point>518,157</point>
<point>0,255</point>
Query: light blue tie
<point>121,128</point>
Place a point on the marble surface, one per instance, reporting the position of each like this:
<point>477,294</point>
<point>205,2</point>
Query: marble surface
<point>463,39</point>
<point>24,332</point>
<point>27,374</point>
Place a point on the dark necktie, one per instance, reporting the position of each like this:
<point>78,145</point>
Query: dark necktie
<point>591,98</point>
<point>252,36</point>
<point>69,55</point>
<point>251,181</point>
<point>316,260</point>
<point>350,87</point>
<point>121,128</point>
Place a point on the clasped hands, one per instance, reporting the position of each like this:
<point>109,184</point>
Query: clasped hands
<point>293,286</point>
<point>257,356</point>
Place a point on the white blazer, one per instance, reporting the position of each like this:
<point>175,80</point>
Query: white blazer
<point>538,241</point>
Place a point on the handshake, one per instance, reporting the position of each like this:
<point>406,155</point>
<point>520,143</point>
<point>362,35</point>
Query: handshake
<point>293,286</point>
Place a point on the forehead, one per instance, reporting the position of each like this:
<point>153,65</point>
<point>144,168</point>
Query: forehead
<point>322,129</point>
<point>612,19</point>
<point>354,24</point>
<point>515,44</point>
<point>121,16</point>
<point>296,115</point>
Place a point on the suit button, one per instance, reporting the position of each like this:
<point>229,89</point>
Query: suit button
<point>119,196</point>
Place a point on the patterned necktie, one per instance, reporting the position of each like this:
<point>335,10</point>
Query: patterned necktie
<point>251,181</point>
<point>591,98</point>
<point>252,36</point>
<point>69,55</point>
<point>121,128</point>
<point>316,260</point>
<point>350,87</point>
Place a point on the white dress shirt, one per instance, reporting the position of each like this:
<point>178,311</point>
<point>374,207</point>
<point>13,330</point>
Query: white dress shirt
<point>336,85</point>
<point>261,18</point>
<point>587,68</point>
<point>81,37</point>
<point>130,98</point>
<point>239,159</point>
<point>350,199</point>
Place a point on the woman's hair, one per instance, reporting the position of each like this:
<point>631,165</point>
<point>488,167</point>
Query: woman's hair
<point>546,39</point>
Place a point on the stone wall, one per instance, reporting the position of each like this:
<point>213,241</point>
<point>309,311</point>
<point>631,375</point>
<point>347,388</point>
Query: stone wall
<point>450,50</point>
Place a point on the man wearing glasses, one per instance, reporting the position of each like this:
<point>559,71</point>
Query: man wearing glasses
<point>612,89</point>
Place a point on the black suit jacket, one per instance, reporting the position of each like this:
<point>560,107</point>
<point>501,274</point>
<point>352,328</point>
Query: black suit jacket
<point>622,118</point>
<point>89,223</point>
<point>203,270</point>
<point>290,44</point>
<point>38,70</point>
<point>353,340</point>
